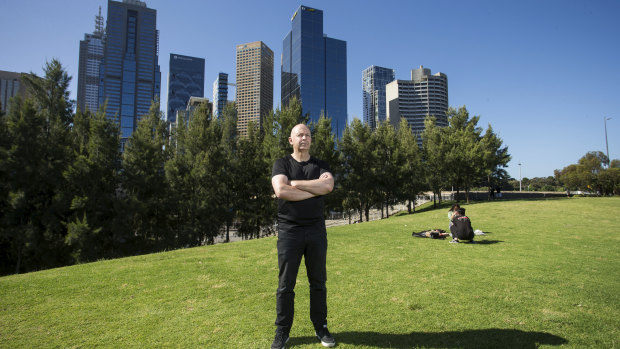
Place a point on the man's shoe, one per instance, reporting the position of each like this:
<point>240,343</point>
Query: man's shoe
<point>454,241</point>
<point>279,342</point>
<point>325,337</point>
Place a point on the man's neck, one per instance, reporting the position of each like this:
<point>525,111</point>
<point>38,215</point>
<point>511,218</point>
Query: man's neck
<point>301,156</point>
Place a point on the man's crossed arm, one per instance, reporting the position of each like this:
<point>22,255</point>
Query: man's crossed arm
<point>298,190</point>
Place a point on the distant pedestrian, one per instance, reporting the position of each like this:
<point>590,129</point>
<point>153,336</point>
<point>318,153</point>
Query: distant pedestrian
<point>499,193</point>
<point>300,181</point>
<point>491,193</point>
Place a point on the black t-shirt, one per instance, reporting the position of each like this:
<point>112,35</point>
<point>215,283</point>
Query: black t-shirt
<point>462,228</point>
<point>304,212</point>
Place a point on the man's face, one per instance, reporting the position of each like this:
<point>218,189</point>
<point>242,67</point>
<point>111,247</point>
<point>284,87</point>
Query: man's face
<point>300,138</point>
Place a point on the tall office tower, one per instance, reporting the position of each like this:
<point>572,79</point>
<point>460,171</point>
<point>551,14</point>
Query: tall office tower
<point>415,99</point>
<point>220,94</point>
<point>374,80</point>
<point>314,69</point>
<point>254,84</point>
<point>186,78</point>
<point>129,76</point>
<point>10,86</point>
<point>91,55</point>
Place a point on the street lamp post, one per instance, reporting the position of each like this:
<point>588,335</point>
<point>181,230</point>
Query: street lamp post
<point>606,146</point>
<point>519,177</point>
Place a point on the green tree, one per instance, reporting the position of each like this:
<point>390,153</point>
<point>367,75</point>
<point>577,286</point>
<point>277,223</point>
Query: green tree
<point>495,158</point>
<point>277,128</point>
<point>386,166</point>
<point>93,181</point>
<point>231,167</point>
<point>195,175</point>
<point>144,185</point>
<point>357,159</point>
<point>585,174</point>
<point>324,148</point>
<point>410,172</point>
<point>256,207</point>
<point>36,154</point>
<point>434,150</point>
<point>609,181</point>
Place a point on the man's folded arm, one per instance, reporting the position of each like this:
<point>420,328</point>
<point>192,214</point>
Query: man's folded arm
<point>321,186</point>
<point>285,191</point>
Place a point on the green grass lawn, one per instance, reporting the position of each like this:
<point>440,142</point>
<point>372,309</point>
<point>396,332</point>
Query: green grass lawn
<point>547,274</point>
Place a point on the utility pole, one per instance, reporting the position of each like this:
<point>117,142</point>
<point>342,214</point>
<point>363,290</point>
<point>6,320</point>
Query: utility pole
<point>519,177</point>
<point>607,146</point>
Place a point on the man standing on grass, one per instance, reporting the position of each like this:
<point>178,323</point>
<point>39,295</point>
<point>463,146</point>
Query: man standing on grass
<point>300,181</point>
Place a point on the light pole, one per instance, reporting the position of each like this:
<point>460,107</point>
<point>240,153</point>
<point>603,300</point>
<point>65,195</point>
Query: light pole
<point>519,177</point>
<point>606,146</point>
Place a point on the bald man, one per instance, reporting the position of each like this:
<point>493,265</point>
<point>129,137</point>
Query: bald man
<point>300,181</point>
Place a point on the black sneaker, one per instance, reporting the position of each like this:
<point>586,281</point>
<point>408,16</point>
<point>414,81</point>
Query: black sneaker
<point>325,337</point>
<point>279,342</point>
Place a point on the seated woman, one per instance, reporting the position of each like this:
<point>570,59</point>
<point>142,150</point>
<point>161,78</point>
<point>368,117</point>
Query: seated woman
<point>451,213</point>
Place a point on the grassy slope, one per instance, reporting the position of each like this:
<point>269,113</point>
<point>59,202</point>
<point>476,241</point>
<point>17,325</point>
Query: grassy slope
<point>547,274</point>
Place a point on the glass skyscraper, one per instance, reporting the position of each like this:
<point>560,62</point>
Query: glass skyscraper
<point>91,55</point>
<point>186,78</point>
<point>129,77</point>
<point>314,69</point>
<point>220,94</point>
<point>374,79</point>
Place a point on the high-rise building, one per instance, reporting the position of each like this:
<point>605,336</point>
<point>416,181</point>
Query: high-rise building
<point>91,55</point>
<point>374,79</point>
<point>314,69</point>
<point>220,94</point>
<point>10,86</point>
<point>129,76</point>
<point>254,84</point>
<point>186,78</point>
<point>415,99</point>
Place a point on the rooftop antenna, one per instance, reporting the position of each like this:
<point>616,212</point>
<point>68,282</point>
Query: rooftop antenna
<point>99,23</point>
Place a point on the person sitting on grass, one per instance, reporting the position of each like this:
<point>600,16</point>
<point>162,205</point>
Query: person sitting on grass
<point>451,213</point>
<point>461,227</point>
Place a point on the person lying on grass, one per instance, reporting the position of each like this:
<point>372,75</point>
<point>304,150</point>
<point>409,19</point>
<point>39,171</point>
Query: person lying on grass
<point>461,227</point>
<point>433,234</point>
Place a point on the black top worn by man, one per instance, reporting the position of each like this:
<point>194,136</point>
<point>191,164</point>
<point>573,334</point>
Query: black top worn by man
<point>299,181</point>
<point>461,228</point>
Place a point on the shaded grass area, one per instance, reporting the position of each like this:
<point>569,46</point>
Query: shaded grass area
<point>547,274</point>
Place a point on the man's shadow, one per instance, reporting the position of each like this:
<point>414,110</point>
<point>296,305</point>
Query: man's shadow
<point>468,339</point>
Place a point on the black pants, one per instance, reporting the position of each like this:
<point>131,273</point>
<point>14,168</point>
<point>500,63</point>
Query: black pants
<point>293,243</point>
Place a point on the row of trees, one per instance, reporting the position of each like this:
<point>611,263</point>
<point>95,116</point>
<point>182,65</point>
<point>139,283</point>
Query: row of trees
<point>593,173</point>
<point>68,195</point>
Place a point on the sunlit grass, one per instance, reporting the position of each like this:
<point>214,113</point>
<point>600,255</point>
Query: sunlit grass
<point>546,274</point>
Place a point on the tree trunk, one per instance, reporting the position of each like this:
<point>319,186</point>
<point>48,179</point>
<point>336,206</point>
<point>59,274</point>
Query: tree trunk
<point>467,193</point>
<point>367,211</point>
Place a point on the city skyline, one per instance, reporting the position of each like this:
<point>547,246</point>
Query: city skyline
<point>513,66</point>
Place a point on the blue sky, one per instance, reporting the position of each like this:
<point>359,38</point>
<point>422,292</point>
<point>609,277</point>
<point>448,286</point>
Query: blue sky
<point>544,74</point>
